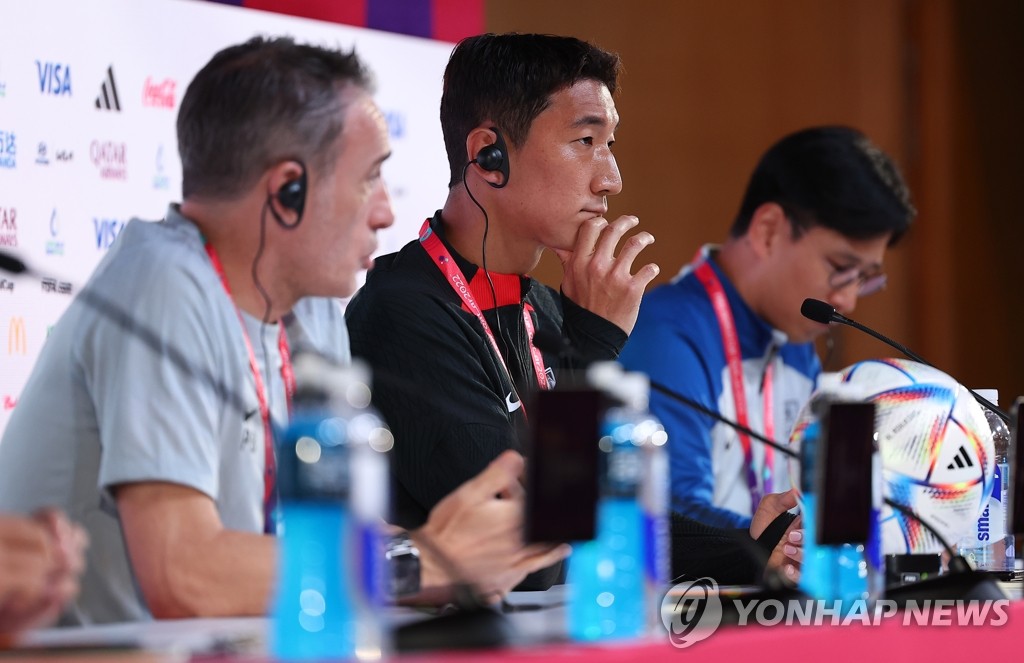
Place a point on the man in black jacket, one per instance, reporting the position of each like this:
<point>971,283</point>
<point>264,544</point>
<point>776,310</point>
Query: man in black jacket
<point>528,123</point>
<point>448,323</point>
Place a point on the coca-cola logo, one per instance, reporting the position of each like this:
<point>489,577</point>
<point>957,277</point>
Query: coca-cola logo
<point>158,94</point>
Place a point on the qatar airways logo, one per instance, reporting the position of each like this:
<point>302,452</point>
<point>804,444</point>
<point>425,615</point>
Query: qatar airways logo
<point>8,227</point>
<point>158,94</point>
<point>110,159</point>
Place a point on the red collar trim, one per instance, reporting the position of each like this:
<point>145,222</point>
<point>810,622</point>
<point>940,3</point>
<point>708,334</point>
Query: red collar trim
<point>507,287</point>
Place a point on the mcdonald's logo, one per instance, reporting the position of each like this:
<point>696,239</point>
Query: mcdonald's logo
<point>17,338</point>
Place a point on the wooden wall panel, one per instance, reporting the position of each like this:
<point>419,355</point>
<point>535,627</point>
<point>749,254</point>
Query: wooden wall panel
<point>710,85</point>
<point>971,107</point>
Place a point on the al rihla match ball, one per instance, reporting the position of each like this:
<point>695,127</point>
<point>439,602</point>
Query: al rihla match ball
<point>935,446</point>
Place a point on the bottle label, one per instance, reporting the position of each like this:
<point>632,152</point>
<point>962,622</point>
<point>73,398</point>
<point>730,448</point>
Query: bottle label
<point>992,521</point>
<point>874,544</point>
<point>654,502</point>
<point>622,472</point>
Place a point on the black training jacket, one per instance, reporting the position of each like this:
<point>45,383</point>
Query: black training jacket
<point>437,381</point>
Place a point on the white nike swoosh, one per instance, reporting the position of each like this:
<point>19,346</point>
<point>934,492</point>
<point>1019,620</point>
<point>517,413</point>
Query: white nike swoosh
<point>512,407</point>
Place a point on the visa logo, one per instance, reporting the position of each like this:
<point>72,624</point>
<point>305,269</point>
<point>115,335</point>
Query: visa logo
<point>107,231</point>
<point>54,78</point>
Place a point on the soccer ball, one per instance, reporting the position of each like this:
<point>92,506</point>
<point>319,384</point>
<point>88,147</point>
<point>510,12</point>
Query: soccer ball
<point>935,446</point>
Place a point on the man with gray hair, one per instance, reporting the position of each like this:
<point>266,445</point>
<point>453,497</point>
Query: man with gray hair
<point>152,452</point>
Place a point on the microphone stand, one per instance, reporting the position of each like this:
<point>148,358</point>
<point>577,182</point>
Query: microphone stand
<point>823,313</point>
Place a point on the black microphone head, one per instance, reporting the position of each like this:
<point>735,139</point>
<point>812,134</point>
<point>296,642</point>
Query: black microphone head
<point>548,340</point>
<point>817,310</point>
<point>11,264</point>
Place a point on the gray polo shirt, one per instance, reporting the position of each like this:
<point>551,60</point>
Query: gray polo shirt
<point>146,378</point>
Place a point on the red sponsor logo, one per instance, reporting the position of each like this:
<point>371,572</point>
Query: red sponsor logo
<point>159,95</point>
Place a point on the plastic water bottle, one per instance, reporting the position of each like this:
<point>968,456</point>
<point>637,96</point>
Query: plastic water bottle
<point>850,571</point>
<point>333,485</point>
<point>615,581</point>
<point>990,547</point>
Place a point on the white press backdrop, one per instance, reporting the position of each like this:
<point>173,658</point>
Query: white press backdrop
<point>74,168</point>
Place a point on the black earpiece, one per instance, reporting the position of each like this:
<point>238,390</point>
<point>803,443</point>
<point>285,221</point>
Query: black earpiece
<point>292,195</point>
<point>494,157</point>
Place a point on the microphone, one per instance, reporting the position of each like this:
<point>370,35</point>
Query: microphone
<point>12,264</point>
<point>824,313</point>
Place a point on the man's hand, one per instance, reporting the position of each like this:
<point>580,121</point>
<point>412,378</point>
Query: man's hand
<point>601,282</point>
<point>40,561</point>
<point>788,554</point>
<point>474,535</point>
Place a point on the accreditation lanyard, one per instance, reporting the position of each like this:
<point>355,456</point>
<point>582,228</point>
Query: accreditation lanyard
<point>730,339</point>
<point>287,376</point>
<point>439,253</point>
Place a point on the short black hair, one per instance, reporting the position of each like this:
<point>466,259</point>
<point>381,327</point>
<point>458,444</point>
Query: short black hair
<point>834,177</point>
<point>509,79</point>
<point>260,102</point>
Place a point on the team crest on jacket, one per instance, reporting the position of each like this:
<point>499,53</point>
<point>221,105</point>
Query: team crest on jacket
<point>550,373</point>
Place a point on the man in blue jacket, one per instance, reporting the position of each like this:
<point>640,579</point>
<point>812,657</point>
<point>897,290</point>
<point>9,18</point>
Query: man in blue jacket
<point>819,212</point>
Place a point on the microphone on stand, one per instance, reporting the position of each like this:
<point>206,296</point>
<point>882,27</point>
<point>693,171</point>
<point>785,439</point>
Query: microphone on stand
<point>825,313</point>
<point>12,264</point>
<point>966,581</point>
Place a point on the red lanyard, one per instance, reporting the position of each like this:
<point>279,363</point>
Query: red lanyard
<point>439,253</point>
<point>287,376</point>
<point>720,304</point>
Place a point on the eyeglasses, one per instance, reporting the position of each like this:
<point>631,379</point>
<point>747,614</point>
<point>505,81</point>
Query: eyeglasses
<point>868,283</point>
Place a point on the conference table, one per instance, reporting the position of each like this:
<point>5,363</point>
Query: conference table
<point>538,622</point>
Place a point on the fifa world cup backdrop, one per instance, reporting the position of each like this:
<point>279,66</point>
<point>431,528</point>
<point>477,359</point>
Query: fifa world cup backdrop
<point>89,93</point>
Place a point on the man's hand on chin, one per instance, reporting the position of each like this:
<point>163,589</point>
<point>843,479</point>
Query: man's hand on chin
<point>601,282</point>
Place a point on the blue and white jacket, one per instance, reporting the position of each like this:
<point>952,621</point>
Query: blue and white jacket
<point>677,341</point>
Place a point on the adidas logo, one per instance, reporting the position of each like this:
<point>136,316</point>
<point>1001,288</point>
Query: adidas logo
<point>108,93</point>
<point>960,460</point>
